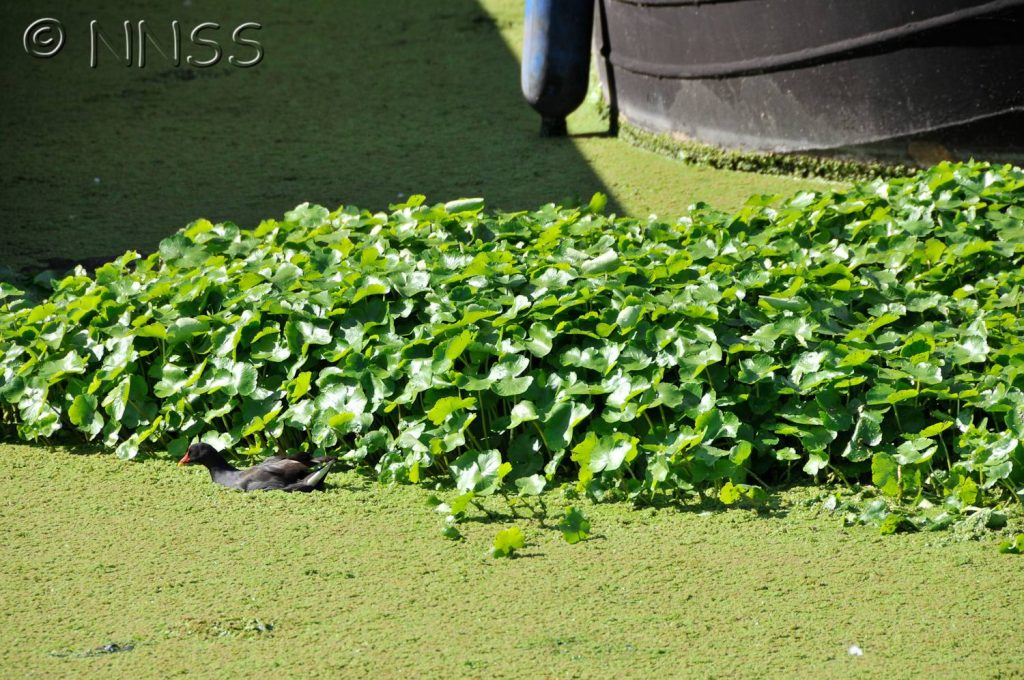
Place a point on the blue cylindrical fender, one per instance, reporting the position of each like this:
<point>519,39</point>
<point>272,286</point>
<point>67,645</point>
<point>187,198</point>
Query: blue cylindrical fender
<point>556,59</point>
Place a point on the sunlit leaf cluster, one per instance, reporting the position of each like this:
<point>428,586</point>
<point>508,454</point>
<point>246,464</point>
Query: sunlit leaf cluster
<point>868,334</point>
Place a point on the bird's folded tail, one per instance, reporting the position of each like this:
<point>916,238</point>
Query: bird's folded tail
<point>317,477</point>
<point>312,481</point>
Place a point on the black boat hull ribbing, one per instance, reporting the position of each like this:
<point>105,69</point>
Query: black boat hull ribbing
<point>893,79</point>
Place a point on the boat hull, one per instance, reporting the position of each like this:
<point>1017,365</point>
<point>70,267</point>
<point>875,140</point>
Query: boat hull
<point>892,79</point>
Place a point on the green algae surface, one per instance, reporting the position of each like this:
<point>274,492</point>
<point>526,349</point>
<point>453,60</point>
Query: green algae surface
<point>357,582</point>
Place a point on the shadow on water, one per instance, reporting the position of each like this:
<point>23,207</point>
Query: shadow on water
<point>61,444</point>
<point>354,102</point>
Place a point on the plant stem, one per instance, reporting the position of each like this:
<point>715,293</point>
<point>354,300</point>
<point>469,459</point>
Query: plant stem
<point>759,480</point>
<point>541,433</point>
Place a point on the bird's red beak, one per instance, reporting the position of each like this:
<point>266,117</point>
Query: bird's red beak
<point>185,460</point>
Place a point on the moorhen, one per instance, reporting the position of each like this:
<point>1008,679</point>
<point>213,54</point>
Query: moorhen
<point>295,473</point>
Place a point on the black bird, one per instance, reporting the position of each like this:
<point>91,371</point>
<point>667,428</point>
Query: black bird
<point>296,473</point>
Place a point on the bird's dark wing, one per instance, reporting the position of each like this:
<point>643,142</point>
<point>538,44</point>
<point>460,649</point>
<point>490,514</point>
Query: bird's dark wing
<point>304,457</point>
<point>274,474</point>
